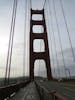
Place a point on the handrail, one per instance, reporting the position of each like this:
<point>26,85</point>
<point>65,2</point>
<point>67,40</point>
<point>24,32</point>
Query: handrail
<point>7,91</point>
<point>54,94</point>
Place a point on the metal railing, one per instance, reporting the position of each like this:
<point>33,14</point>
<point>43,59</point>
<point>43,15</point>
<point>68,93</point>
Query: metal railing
<point>7,91</point>
<point>48,95</point>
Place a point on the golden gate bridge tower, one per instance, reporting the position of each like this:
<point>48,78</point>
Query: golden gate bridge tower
<point>23,87</point>
<point>39,55</point>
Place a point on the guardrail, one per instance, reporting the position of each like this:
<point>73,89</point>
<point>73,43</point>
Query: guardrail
<point>7,91</point>
<point>46,95</point>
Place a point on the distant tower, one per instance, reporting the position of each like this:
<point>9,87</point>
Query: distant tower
<point>39,55</point>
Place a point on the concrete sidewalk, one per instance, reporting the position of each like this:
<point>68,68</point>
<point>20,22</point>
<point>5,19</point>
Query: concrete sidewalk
<point>27,93</point>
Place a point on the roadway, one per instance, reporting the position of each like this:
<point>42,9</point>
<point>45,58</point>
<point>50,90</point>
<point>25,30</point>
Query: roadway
<point>30,91</point>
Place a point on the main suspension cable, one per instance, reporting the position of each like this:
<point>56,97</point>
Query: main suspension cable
<point>67,28</point>
<point>24,52</point>
<point>59,39</point>
<point>44,3</point>
<point>8,54</point>
<point>12,37</point>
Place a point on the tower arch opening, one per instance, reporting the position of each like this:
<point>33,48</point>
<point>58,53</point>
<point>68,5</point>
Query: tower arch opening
<point>40,68</point>
<point>38,45</point>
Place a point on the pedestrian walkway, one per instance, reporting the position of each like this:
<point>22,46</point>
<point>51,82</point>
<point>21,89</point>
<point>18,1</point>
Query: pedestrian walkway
<point>27,93</point>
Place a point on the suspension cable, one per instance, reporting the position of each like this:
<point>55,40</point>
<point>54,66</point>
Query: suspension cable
<point>12,37</point>
<point>7,62</point>
<point>50,40</point>
<point>54,39</point>
<point>30,4</point>
<point>67,29</point>
<point>44,3</point>
<point>48,30</point>
<point>24,38</point>
<point>59,39</point>
<point>28,19</point>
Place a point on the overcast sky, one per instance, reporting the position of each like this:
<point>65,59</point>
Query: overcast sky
<point>17,56</point>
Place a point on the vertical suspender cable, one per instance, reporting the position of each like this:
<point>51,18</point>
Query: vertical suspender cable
<point>45,5</point>
<point>67,29</point>
<point>24,38</point>
<point>50,40</point>
<point>40,51</point>
<point>54,39</point>
<point>51,44</point>
<point>11,47</point>
<point>60,39</point>
<point>8,54</point>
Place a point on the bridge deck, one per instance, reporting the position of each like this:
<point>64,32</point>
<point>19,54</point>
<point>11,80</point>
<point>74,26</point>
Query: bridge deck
<point>30,91</point>
<point>27,93</point>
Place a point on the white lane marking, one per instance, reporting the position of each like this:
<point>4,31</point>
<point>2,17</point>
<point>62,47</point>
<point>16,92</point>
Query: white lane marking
<point>12,94</point>
<point>67,88</point>
<point>68,95</point>
<point>26,93</point>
